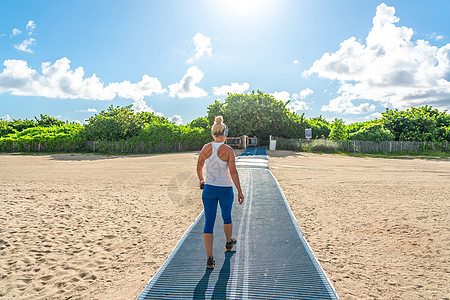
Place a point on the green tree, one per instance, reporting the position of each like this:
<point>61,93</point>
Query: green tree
<point>20,125</point>
<point>149,118</point>
<point>376,133</point>
<point>47,121</point>
<point>201,122</point>
<point>215,109</point>
<point>355,127</point>
<point>113,124</point>
<point>257,114</point>
<point>6,128</point>
<point>417,124</point>
<point>338,131</point>
<point>320,127</point>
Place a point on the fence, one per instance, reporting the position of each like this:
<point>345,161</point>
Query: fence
<point>359,146</point>
<point>282,143</point>
<point>97,146</point>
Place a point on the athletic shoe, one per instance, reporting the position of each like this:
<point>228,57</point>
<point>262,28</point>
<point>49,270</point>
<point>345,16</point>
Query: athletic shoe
<point>231,244</point>
<point>210,263</point>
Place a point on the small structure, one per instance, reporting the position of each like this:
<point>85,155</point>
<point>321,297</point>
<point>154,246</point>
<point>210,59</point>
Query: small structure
<point>234,142</point>
<point>308,133</point>
<point>272,143</point>
<point>242,142</point>
<point>252,141</point>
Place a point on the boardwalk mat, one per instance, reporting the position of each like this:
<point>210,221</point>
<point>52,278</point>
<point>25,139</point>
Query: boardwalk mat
<point>271,260</point>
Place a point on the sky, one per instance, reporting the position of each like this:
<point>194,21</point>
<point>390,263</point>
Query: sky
<point>346,59</point>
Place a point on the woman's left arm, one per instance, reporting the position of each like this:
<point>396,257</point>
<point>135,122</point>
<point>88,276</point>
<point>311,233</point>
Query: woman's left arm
<point>234,174</point>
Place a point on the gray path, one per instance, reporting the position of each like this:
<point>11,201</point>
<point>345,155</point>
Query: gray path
<point>272,260</point>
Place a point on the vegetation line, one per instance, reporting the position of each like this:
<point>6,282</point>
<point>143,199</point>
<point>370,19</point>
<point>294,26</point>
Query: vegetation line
<point>121,130</point>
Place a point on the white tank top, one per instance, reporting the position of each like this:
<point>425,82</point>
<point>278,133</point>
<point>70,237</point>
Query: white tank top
<point>217,172</point>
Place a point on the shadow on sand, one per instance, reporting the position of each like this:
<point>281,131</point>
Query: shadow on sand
<point>98,156</point>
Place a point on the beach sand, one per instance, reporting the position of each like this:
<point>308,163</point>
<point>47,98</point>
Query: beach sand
<point>85,226</point>
<point>379,227</point>
<point>91,226</point>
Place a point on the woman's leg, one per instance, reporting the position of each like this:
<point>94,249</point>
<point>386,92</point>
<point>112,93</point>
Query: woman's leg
<point>226,204</point>
<point>210,208</point>
<point>208,238</point>
<point>228,229</point>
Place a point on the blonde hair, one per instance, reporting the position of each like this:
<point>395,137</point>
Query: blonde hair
<point>219,127</point>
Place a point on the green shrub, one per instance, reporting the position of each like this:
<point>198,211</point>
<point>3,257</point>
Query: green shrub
<point>257,114</point>
<point>417,124</point>
<point>6,128</point>
<point>320,127</point>
<point>201,122</point>
<point>113,124</point>
<point>338,131</point>
<point>47,121</point>
<point>376,133</point>
<point>53,138</point>
<point>20,125</point>
<point>149,118</point>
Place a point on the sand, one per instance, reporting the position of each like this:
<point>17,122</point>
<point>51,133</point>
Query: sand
<point>379,227</point>
<point>90,226</point>
<point>85,226</point>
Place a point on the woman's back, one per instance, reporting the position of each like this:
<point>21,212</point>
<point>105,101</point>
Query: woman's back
<point>217,171</point>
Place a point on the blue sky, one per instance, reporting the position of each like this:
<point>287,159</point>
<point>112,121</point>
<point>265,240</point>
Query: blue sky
<point>346,59</point>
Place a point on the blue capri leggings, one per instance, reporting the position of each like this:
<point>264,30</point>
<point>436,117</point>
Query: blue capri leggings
<point>211,196</point>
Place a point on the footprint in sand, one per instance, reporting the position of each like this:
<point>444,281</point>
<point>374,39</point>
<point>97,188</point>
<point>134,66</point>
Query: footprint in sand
<point>4,244</point>
<point>44,279</point>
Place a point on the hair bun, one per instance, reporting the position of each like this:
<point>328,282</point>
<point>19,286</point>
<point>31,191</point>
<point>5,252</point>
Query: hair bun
<point>218,119</point>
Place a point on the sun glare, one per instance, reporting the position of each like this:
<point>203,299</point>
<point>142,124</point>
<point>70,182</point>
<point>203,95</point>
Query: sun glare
<point>246,9</point>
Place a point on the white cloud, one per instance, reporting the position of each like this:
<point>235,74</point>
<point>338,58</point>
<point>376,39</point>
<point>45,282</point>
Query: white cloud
<point>376,115</point>
<point>26,45</point>
<point>202,47</point>
<point>389,68</point>
<point>137,91</point>
<point>177,119</point>
<point>285,96</point>
<point>233,88</point>
<point>6,118</point>
<point>59,81</point>
<point>187,88</point>
<point>294,104</point>
<point>297,105</point>
<point>87,110</point>
<point>435,36</point>
<point>295,62</point>
<point>282,96</point>
<point>16,31</point>
<point>303,94</point>
<point>31,26</point>
<point>139,105</point>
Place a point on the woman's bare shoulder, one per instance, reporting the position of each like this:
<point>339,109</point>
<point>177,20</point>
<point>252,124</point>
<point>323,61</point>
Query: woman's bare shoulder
<point>207,146</point>
<point>228,150</point>
<point>206,151</point>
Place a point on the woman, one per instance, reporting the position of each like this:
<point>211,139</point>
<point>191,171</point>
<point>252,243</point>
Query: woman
<point>218,187</point>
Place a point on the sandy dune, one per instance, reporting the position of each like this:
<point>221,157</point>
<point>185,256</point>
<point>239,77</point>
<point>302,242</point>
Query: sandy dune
<point>95,227</point>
